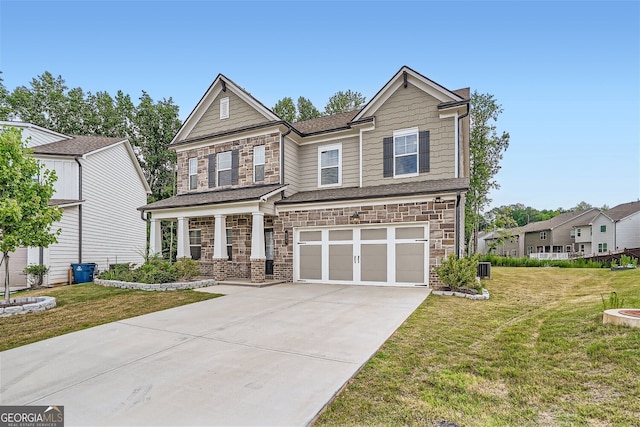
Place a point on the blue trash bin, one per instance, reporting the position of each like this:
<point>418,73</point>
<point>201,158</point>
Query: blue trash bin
<point>82,273</point>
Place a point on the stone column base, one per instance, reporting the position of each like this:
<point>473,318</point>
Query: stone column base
<point>219,269</point>
<point>258,270</point>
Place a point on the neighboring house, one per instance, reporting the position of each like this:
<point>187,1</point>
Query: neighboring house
<point>555,235</point>
<point>100,184</point>
<point>582,235</point>
<point>372,196</point>
<point>616,229</point>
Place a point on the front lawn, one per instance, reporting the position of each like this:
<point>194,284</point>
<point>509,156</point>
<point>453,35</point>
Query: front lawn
<point>535,354</point>
<point>86,305</point>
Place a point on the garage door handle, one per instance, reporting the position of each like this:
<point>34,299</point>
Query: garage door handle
<point>356,259</point>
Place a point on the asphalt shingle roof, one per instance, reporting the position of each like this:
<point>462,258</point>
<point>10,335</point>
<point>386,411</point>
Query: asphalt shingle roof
<point>619,212</point>
<point>325,123</point>
<point>76,146</point>
<point>213,197</point>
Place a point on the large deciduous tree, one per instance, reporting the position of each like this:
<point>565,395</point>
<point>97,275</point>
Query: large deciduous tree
<point>26,187</point>
<point>306,110</point>
<point>341,102</point>
<point>486,148</point>
<point>286,109</point>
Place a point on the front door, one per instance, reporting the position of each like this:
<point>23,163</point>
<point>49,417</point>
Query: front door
<point>268,250</point>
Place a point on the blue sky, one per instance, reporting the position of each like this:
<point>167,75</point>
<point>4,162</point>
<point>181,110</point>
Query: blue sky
<point>566,73</point>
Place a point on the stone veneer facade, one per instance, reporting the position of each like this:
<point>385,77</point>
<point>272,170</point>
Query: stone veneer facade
<point>439,215</point>
<point>245,163</point>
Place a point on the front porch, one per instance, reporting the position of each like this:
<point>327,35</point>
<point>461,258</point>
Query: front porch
<point>229,231</point>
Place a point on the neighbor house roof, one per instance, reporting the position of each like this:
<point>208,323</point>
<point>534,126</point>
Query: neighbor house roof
<point>214,197</point>
<point>622,211</point>
<point>391,190</point>
<point>557,220</point>
<point>77,145</point>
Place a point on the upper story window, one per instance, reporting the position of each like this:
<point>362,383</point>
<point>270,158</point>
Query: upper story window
<point>579,232</point>
<point>405,152</point>
<point>603,228</point>
<point>193,173</point>
<point>224,168</point>
<point>258,163</point>
<point>224,108</point>
<point>330,165</point>
<point>543,235</point>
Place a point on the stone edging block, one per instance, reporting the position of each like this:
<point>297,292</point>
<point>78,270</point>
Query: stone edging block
<point>483,296</point>
<point>172,286</point>
<point>34,304</point>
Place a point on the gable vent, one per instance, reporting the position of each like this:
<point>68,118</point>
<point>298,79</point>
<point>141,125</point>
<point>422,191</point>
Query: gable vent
<point>224,108</point>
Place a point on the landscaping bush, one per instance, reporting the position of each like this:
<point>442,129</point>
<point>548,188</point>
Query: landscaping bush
<point>155,270</point>
<point>459,273</point>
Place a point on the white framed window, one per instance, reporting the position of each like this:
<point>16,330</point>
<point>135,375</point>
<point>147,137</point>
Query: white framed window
<point>405,152</point>
<point>579,232</point>
<point>330,165</point>
<point>230,244</point>
<point>258,163</point>
<point>530,250</point>
<point>224,168</point>
<point>569,249</point>
<point>193,173</point>
<point>195,244</point>
<point>603,228</point>
<point>224,108</point>
<point>602,247</point>
<point>543,235</point>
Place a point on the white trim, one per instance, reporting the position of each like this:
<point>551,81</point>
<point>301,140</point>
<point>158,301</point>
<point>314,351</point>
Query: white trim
<point>324,149</point>
<point>361,144</point>
<point>219,169</point>
<point>310,140</point>
<point>407,132</point>
<point>224,108</point>
<point>273,193</point>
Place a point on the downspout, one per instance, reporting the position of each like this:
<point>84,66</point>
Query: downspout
<point>457,234</point>
<point>282,153</point>
<point>79,209</point>
<point>460,136</point>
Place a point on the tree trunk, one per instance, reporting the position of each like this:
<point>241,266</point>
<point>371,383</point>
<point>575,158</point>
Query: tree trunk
<point>7,289</point>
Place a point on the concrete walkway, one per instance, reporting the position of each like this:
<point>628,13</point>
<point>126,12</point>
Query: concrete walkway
<point>257,356</point>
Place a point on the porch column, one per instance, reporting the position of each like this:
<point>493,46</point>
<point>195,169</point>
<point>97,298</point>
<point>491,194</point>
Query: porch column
<point>155,237</point>
<point>220,255</point>
<point>258,259</point>
<point>257,236</point>
<point>183,238</point>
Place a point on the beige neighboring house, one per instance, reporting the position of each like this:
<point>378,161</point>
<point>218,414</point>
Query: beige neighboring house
<point>100,185</point>
<point>612,230</point>
<point>537,239</point>
<point>373,196</point>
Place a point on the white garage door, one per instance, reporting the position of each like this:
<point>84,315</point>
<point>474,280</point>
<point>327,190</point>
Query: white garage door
<point>381,254</point>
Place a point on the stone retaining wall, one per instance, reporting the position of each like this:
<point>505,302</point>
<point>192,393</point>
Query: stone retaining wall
<point>156,286</point>
<point>33,304</point>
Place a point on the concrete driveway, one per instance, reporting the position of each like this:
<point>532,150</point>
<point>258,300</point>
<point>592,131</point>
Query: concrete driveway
<point>267,356</point>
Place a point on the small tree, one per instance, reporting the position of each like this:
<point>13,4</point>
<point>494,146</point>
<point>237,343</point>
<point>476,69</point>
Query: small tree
<point>25,191</point>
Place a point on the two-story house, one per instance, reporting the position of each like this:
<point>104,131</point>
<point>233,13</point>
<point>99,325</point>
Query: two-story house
<point>99,187</point>
<point>372,196</point>
<point>615,229</point>
<point>556,235</point>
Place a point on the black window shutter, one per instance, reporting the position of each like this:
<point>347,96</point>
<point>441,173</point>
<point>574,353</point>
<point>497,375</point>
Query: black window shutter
<point>234,167</point>
<point>212,170</point>
<point>387,156</point>
<point>423,138</point>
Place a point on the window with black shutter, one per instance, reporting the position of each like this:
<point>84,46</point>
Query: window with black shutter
<point>406,153</point>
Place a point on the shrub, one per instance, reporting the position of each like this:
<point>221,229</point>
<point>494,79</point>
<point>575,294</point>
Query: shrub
<point>35,273</point>
<point>614,301</point>
<point>155,270</point>
<point>459,272</point>
<point>501,261</point>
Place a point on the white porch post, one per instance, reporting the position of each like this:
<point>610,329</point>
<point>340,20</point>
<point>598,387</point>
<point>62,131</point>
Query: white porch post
<point>155,237</point>
<point>220,237</point>
<point>183,238</point>
<point>257,236</point>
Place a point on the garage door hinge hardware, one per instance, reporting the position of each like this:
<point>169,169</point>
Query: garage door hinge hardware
<point>422,240</point>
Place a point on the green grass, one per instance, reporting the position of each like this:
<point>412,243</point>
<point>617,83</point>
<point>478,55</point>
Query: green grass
<point>535,354</point>
<point>86,305</point>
